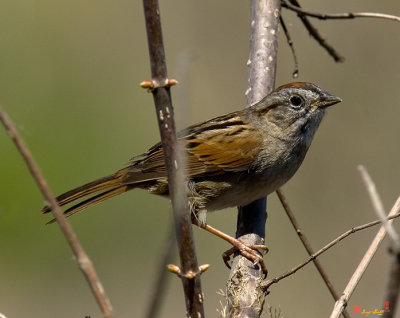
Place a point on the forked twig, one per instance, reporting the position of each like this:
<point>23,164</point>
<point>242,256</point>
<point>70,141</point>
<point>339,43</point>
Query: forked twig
<point>85,264</point>
<point>274,280</point>
<point>314,32</point>
<point>294,5</point>
<point>378,205</point>
<point>308,247</point>
<point>369,254</point>
<point>393,285</point>
<point>340,16</point>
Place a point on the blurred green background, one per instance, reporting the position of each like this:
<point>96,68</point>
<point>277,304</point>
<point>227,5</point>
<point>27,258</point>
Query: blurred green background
<point>69,75</point>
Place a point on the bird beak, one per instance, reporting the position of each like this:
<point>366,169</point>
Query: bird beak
<point>327,100</point>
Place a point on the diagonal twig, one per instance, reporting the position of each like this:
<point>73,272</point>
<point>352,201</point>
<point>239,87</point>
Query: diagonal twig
<point>167,254</point>
<point>274,280</point>
<point>369,254</point>
<point>85,264</point>
<point>340,16</point>
<point>160,87</point>
<point>313,31</point>
<point>289,41</point>
<point>308,247</point>
<point>393,285</point>
<point>378,205</point>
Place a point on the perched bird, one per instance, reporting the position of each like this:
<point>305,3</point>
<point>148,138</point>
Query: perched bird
<point>231,160</point>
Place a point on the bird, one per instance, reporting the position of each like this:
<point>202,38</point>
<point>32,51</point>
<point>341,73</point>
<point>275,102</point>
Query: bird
<point>231,160</point>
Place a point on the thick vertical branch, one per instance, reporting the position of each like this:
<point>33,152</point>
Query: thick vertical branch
<point>245,296</point>
<point>263,48</point>
<point>189,271</point>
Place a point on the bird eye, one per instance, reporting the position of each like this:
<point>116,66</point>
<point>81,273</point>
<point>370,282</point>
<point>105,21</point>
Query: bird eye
<point>296,100</point>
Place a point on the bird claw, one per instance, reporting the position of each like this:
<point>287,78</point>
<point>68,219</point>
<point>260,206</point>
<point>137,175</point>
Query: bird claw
<point>248,251</point>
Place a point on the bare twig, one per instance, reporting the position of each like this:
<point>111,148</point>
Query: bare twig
<point>85,264</point>
<point>342,302</point>
<point>346,15</point>
<point>393,285</point>
<point>166,256</point>
<point>245,297</point>
<point>378,205</point>
<point>190,272</point>
<point>314,32</point>
<point>295,73</point>
<point>274,280</point>
<point>308,247</point>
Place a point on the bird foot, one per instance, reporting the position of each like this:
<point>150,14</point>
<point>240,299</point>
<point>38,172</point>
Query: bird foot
<point>249,251</point>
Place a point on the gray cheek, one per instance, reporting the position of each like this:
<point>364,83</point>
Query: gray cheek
<point>300,124</point>
<point>312,125</point>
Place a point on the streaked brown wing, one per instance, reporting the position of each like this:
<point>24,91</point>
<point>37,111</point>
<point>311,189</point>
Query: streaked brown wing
<point>223,144</point>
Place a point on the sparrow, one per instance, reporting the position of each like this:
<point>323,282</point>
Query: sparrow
<point>231,160</point>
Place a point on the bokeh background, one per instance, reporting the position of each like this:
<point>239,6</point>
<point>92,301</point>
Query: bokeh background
<point>69,75</point>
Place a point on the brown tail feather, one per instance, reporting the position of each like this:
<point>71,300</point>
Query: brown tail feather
<point>106,184</point>
<point>94,200</point>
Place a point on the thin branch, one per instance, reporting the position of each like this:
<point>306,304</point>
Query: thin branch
<point>393,285</point>
<point>189,272</point>
<point>336,16</point>
<point>274,280</point>
<point>378,205</point>
<point>166,256</point>
<point>342,302</point>
<point>314,32</point>
<point>289,41</point>
<point>85,264</point>
<point>308,247</point>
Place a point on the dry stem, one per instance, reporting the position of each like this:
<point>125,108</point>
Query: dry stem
<point>308,247</point>
<point>328,246</point>
<point>85,264</point>
<point>369,254</point>
<point>314,32</point>
<point>336,16</point>
<point>378,205</point>
<point>393,285</point>
<point>167,254</point>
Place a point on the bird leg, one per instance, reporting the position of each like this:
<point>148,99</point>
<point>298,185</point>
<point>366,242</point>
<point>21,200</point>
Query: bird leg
<point>248,251</point>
